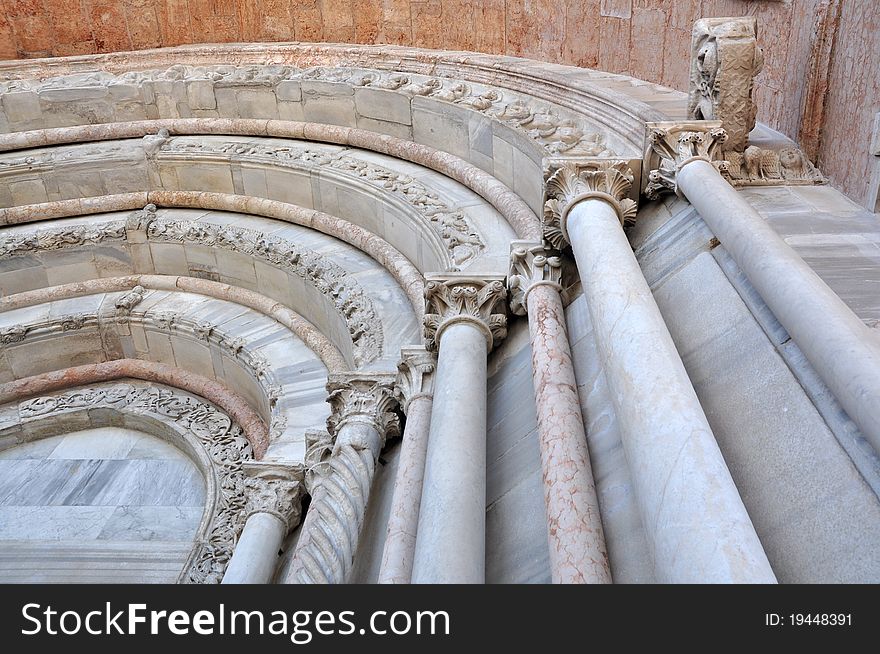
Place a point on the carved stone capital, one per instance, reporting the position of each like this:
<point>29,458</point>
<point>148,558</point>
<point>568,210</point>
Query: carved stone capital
<point>415,375</point>
<point>568,184</point>
<point>451,299</point>
<point>275,489</point>
<point>531,264</point>
<point>367,398</point>
<point>725,58</point>
<point>673,145</point>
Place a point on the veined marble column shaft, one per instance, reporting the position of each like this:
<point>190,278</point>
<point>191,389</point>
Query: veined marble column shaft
<point>273,509</point>
<point>461,322</point>
<point>414,389</point>
<point>577,543</point>
<point>363,416</point>
<point>695,522</point>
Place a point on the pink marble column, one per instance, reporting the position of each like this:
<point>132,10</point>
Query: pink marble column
<point>414,389</point>
<point>577,543</point>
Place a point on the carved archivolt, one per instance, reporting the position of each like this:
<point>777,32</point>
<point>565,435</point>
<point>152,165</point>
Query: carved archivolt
<point>347,295</point>
<point>555,133</point>
<point>221,441</point>
<point>461,239</point>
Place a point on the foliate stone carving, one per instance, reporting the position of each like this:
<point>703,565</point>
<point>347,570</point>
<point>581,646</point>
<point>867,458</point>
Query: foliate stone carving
<point>352,302</point>
<point>461,239</point>
<point>531,264</point>
<point>762,167</point>
<point>460,298</point>
<point>14,334</point>
<point>274,489</point>
<point>222,440</point>
<point>366,398</point>
<point>725,58</point>
<point>415,375</point>
<point>75,321</point>
<point>128,301</point>
<point>319,448</point>
<point>64,237</point>
<point>567,185</point>
<point>673,145</point>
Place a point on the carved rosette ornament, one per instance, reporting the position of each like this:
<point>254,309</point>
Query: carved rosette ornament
<point>566,185</point>
<point>673,145</point>
<point>450,299</point>
<point>274,489</point>
<point>415,375</point>
<point>725,58</point>
<point>531,265</point>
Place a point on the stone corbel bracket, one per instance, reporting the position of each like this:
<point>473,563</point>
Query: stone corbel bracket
<point>671,145</point>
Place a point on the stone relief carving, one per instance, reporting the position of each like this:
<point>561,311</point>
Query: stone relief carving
<point>14,334</point>
<point>222,440</point>
<point>553,128</point>
<point>567,185</point>
<point>761,167</point>
<point>331,280</point>
<point>450,299</point>
<point>128,301</point>
<point>725,58</point>
<point>459,236</point>
<point>60,238</point>
<point>415,375</point>
<point>531,264</point>
<point>671,145</point>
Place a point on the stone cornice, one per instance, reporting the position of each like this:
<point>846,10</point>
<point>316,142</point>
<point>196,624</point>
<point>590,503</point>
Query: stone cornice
<point>415,375</point>
<point>366,398</point>
<point>675,144</point>
<point>568,184</point>
<point>477,300</point>
<point>531,264</point>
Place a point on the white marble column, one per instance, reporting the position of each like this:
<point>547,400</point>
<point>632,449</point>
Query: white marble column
<point>274,494</point>
<point>414,390</point>
<point>694,519</point>
<point>464,319</point>
<point>364,415</point>
<point>577,543</point>
<point>841,348</point>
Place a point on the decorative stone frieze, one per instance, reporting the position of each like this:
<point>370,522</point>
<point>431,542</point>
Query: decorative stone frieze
<point>462,241</point>
<point>673,145</point>
<point>61,238</point>
<point>462,298</point>
<point>762,167</point>
<point>725,58</point>
<point>531,264</point>
<point>566,185</point>
<point>274,489</point>
<point>366,398</point>
<point>222,440</point>
<point>14,334</point>
<point>415,375</point>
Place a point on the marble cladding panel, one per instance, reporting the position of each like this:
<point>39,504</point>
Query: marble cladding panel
<point>814,512</point>
<point>104,504</point>
<point>516,522</point>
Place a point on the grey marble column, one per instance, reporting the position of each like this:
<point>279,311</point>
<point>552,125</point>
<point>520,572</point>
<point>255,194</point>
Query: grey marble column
<point>577,543</point>
<point>464,319</point>
<point>841,348</point>
<point>694,519</point>
<point>274,494</point>
<point>414,390</point>
<point>364,414</point>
